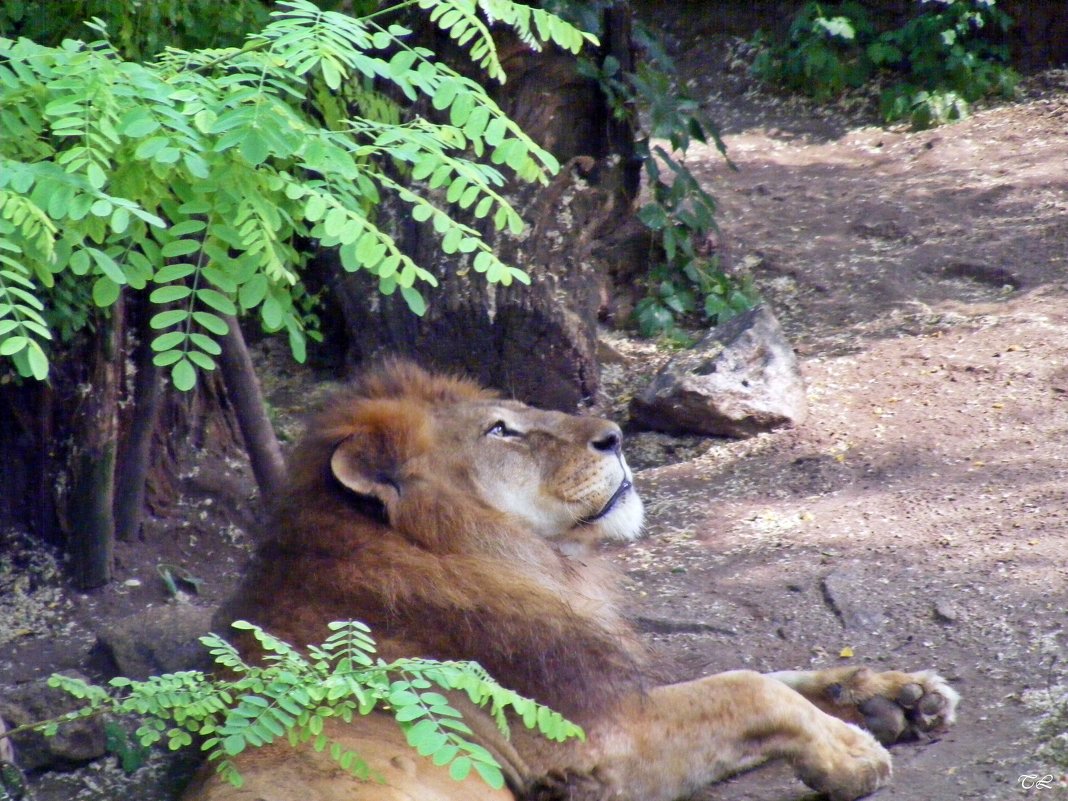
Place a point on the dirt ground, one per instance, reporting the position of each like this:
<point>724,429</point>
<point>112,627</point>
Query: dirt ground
<point>917,520</point>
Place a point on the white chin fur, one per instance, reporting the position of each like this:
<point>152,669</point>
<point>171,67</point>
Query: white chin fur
<point>624,522</point>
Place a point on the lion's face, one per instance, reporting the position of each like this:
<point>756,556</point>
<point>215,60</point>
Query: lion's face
<point>561,477</point>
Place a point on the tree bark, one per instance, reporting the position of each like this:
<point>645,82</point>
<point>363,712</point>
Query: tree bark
<point>89,515</point>
<point>26,443</point>
<point>535,342</point>
<point>136,457</point>
<point>246,396</point>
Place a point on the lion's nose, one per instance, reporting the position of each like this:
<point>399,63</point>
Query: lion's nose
<point>610,441</point>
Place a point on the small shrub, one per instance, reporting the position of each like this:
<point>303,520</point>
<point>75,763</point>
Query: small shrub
<point>138,30</point>
<point>1051,706</point>
<point>682,283</point>
<point>939,62</point>
<point>825,52</point>
<point>950,58</point>
<point>12,783</point>
<point>292,695</point>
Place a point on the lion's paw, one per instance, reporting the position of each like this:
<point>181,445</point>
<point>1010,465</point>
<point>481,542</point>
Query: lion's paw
<point>846,765</point>
<point>897,706</point>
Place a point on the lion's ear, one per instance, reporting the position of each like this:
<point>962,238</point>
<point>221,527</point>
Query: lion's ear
<point>366,471</point>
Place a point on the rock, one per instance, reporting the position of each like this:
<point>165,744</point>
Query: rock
<point>607,353</point>
<point>162,639</point>
<point>6,754</point>
<point>946,611</point>
<point>76,742</point>
<point>1059,380</point>
<point>847,592</point>
<point>740,380</point>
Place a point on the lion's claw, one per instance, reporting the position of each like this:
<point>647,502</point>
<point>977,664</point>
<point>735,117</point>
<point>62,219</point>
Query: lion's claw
<point>909,694</point>
<point>883,718</point>
<point>921,704</point>
<point>892,705</point>
<point>936,710</point>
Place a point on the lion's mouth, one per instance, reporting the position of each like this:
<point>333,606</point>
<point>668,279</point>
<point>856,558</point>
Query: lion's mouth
<point>621,490</point>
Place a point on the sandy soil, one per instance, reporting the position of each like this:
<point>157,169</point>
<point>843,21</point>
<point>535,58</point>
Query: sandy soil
<point>918,518</point>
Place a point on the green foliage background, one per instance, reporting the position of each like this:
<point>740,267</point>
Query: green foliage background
<point>685,284</point>
<point>195,175</point>
<point>945,56</point>
<point>138,29</point>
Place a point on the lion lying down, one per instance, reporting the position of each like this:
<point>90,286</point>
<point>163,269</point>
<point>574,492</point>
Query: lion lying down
<point>456,525</point>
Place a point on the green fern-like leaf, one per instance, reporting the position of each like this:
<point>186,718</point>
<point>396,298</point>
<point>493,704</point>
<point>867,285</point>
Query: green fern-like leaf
<point>192,177</point>
<point>292,697</point>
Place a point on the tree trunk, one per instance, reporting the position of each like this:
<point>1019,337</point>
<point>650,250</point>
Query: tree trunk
<point>535,342</point>
<point>26,442</point>
<point>89,515</point>
<point>66,479</point>
<point>243,390</point>
<point>136,457</point>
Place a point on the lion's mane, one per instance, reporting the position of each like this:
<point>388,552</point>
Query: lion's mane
<point>444,576</point>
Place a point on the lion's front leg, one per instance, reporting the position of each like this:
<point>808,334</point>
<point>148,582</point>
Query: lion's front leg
<point>892,705</point>
<point>675,739</point>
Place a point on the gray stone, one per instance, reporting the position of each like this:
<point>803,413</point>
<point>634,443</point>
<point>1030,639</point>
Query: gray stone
<point>740,380</point>
<point>6,754</point>
<point>848,594</point>
<point>76,742</point>
<point>162,639</point>
<point>946,611</point>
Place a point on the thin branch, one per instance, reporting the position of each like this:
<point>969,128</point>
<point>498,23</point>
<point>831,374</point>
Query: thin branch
<point>243,390</point>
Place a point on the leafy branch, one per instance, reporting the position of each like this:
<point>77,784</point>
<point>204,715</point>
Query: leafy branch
<point>291,696</point>
<point>193,177</point>
<point>684,280</point>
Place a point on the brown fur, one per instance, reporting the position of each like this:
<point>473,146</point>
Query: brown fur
<point>448,578</point>
<point>397,516</point>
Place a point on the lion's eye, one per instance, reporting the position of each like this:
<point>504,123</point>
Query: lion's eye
<point>500,429</point>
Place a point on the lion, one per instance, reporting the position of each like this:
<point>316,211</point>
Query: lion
<point>461,526</point>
